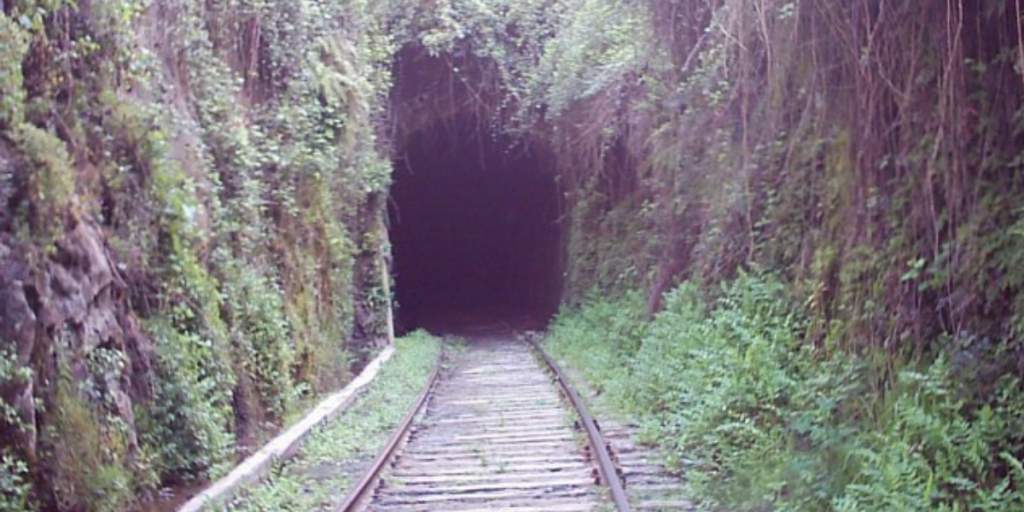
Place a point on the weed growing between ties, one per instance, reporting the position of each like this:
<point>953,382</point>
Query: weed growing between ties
<point>333,458</point>
<point>757,417</point>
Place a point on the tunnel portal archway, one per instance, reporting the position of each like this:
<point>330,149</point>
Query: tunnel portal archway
<point>474,226</point>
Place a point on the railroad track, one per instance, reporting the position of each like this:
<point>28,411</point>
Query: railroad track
<point>496,432</point>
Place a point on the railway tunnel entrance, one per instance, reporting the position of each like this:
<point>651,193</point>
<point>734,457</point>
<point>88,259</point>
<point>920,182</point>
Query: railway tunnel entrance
<point>474,227</point>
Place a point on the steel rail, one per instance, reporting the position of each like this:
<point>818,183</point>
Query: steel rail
<point>357,495</point>
<point>594,437</point>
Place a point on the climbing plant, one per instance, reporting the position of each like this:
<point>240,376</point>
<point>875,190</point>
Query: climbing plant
<point>234,233</point>
<point>220,169</point>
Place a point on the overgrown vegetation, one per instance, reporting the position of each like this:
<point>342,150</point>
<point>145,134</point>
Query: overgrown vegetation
<point>14,485</point>
<point>201,179</point>
<point>759,419</point>
<point>866,153</point>
<point>207,181</point>
<point>319,477</point>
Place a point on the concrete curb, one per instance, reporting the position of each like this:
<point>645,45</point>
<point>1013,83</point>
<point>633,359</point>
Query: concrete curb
<point>256,467</point>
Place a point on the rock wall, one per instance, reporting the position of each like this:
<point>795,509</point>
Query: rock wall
<point>190,217</point>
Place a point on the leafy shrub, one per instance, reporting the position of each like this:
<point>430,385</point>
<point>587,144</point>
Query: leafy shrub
<point>262,334</point>
<point>188,427</point>
<point>13,486</point>
<point>51,186</point>
<point>620,325</point>
<point>13,45</point>
<point>763,420</point>
<point>926,451</point>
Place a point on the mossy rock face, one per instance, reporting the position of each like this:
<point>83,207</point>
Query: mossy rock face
<point>89,455</point>
<point>187,284</point>
<point>65,322</point>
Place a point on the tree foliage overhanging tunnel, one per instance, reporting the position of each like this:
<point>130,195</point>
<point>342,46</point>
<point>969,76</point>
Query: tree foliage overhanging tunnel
<point>193,198</point>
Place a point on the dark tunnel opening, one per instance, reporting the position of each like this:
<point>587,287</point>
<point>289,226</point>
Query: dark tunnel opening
<point>474,225</point>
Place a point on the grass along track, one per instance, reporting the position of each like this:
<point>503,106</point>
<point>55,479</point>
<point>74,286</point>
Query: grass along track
<point>316,479</point>
<point>494,433</point>
<point>648,481</point>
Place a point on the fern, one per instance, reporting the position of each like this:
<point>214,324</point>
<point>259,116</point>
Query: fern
<point>771,422</point>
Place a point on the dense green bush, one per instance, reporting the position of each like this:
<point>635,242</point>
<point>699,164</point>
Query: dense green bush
<point>14,487</point>
<point>762,420</point>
